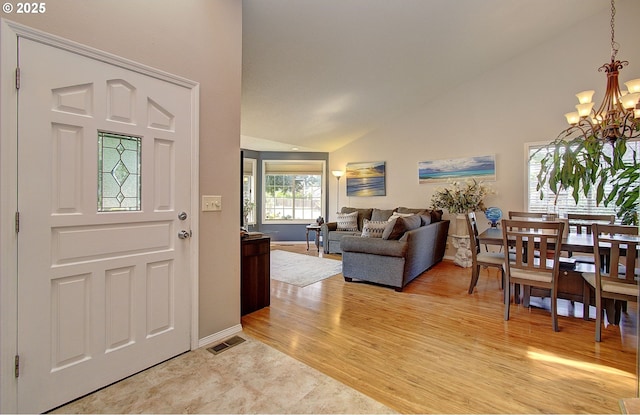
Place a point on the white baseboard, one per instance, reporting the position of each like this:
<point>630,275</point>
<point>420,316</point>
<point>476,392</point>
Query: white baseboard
<point>221,335</point>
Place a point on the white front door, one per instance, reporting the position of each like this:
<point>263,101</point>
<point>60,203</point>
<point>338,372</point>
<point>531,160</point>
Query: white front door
<point>104,170</point>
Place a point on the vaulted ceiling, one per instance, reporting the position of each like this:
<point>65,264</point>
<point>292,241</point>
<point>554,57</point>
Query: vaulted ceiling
<point>318,74</point>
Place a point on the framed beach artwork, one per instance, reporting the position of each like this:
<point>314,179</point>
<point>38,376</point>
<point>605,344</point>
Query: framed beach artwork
<point>480,167</point>
<point>366,179</point>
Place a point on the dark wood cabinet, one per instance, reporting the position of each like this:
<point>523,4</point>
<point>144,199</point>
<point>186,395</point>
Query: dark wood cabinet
<point>255,274</point>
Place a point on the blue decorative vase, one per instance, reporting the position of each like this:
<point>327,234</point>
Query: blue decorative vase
<point>493,214</point>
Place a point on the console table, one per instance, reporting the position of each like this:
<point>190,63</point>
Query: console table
<point>255,286</point>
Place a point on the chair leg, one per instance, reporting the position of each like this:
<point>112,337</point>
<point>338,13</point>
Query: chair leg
<point>599,312</point>
<point>554,309</point>
<point>507,298</point>
<point>475,273</point>
<point>526,295</point>
<point>586,300</point>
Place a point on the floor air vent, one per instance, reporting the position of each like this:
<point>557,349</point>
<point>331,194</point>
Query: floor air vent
<point>221,347</point>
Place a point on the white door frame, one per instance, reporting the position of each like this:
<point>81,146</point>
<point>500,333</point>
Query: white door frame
<point>9,33</point>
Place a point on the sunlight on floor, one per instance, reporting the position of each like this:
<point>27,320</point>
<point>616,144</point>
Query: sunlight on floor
<point>591,367</point>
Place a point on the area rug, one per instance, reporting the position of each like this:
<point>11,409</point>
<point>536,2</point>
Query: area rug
<point>302,270</point>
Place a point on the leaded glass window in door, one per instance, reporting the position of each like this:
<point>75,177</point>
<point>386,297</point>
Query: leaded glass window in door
<point>119,181</point>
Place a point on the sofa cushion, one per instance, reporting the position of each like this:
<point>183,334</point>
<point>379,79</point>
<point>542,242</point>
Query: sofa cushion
<point>425,219</point>
<point>347,221</point>
<point>373,228</point>
<point>362,214</point>
<point>396,228</point>
<point>381,215</point>
<point>436,215</point>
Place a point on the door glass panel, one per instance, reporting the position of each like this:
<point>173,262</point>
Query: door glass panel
<point>118,172</point>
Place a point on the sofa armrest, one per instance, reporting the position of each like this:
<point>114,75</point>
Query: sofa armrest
<point>374,246</point>
<point>329,226</point>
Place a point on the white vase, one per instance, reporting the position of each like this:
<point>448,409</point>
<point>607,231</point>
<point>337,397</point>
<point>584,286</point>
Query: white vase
<point>461,225</point>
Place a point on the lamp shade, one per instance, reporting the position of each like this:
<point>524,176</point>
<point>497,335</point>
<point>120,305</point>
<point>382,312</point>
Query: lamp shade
<point>629,101</point>
<point>584,97</point>
<point>584,109</point>
<point>572,117</point>
<point>337,173</point>
<point>633,85</point>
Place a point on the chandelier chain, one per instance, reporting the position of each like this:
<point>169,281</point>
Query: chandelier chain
<point>614,45</point>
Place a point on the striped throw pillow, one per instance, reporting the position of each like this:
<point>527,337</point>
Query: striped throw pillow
<point>373,228</point>
<point>347,221</point>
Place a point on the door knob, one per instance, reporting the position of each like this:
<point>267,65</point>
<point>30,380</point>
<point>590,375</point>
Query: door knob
<point>184,234</point>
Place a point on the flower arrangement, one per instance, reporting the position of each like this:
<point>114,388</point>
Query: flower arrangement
<point>462,197</point>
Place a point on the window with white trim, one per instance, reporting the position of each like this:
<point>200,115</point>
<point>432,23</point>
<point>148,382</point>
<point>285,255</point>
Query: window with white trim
<point>292,190</point>
<point>565,202</point>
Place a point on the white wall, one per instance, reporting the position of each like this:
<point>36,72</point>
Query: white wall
<point>200,40</point>
<point>521,101</point>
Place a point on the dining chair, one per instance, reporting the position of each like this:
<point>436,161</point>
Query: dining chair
<point>532,215</point>
<point>618,279</point>
<point>528,269</point>
<point>481,259</point>
<point>582,224</point>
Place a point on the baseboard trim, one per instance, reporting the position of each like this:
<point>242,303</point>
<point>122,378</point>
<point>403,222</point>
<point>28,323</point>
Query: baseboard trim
<point>221,335</point>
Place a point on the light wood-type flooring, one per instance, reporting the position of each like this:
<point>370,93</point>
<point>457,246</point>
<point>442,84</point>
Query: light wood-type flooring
<point>433,348</point>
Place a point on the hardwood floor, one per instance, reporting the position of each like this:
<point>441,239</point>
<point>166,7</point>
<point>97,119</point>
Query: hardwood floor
<point>433,348</point>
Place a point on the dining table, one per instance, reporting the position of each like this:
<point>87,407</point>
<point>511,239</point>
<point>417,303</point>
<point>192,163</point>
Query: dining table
<point>571,285</point>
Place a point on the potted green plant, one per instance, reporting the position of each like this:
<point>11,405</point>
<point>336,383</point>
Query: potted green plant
<point>582,165</point>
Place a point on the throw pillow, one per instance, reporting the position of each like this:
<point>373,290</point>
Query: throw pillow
<point>397,227</point>
<point>399,215</point>
<point>425,219</point>
<point>363,213</point>
<point>347,221</point>
<point>373,228</point>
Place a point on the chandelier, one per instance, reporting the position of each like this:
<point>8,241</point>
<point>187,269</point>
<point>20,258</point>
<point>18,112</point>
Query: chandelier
<point>618,116</point>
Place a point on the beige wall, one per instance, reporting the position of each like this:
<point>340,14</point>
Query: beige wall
<point>200,40</point>
<point>521,101</point>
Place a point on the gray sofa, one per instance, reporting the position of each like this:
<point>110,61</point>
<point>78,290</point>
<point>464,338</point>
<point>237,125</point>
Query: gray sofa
<point>390,262</point>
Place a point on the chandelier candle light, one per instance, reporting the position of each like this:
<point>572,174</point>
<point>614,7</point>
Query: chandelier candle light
<point>338,174</point>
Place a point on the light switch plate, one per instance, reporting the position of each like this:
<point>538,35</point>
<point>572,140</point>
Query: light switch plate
<point>211,203</point>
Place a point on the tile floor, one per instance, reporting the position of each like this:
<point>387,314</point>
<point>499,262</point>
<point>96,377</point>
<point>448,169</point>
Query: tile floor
<point>250,377</point>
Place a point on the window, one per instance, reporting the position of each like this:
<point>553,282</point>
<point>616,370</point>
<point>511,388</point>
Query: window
<point>293,190</point>
<point>565,202</point>
<point>119,158</point>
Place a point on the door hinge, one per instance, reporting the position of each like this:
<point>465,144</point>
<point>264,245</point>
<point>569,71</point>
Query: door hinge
<point>17,222</point>
<point>18,78</point>
<point>17,366</point>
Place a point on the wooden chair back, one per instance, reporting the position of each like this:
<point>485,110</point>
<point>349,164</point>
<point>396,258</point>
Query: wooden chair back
<point>532,215</point>
<point>583,223</point>
<point>535,216</point>
<point>619,245</point>
<point>530,242</point>
<point>472,228</point>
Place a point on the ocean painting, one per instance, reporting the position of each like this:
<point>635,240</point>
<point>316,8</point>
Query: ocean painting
<point>482,168</point>
<point>366,179</point>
